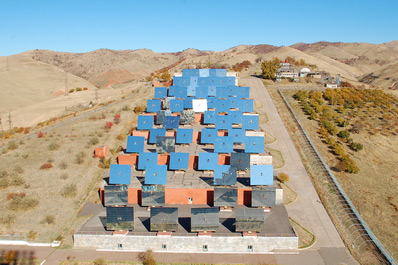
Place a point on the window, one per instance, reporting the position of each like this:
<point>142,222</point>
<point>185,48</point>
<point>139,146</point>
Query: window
<point>164,247</point>
<point>190,200</point>
<point>119,246</point>
<point>250,248</point>
<point>204,248</point>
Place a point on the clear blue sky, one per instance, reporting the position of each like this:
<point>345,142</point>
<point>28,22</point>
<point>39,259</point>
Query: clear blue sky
<point>170,26</point>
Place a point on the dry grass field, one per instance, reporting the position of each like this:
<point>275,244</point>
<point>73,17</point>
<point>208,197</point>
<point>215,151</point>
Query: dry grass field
<point>45,181</point>
<point>373,190</point>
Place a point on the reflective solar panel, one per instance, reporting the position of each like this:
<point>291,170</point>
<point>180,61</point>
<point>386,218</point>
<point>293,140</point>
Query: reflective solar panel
<point>207,161</point>
<point>254,144</point>
<point>147,159</point>
<point>210,117</point>
<point>187,117</point>
<point>191,91</point>
<point>119,218</point>
<point>201,92</point>
<point>250,122</point>
<point>160,117</point>
<point>153,105</point>
<point>188,103</point>
<point>211,102</point>
<point>184,136</point>
<point>165,144</point>
<point>164,219</point>
<point>156,175</point>
<point>116,195</point>
<point>135,144</point>
<point>246,105</point>
<point>241,161</point>
<point>222,105</point>
<point>211,91</point>
<point>224,175</point>
<point>172,91</point>
<point>243,92</point>
<point>249,219</point>
<point>153,133</point>
<point>223,144</point>
<point>236,116</point>
<point>204,72</point>
<point>193,80</point>
<point>181,92</point>
<point>237,135</point>
<point>261,175</point>
<point>120,174</point>
<point>204,219</point>
<point>178,161</point>
<point>171,122</point>
<point>225,196</point>
<point>263,196</point>
<point>176,105</point>
<point>145,122</point>
<point>166,102</point>
<point>190,72</point>
<point>160,92</point>
<point>199,105</point>
<point>153,195</point>
<point>223,122</point>
<point>208,136</point>
<point>234,102</point>
<point>221,92</point>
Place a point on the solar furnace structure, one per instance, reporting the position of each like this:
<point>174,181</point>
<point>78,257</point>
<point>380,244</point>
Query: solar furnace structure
<point>120,218</point>
<point>225,196</point>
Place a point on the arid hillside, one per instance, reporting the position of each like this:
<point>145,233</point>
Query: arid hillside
<point>37,78</point>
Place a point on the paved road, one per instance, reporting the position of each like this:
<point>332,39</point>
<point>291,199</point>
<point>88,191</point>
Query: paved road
<point>307,210</point>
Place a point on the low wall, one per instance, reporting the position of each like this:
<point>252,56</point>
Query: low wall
<point>219,244</point>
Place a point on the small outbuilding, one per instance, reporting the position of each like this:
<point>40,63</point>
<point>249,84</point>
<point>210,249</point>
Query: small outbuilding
<point>101,151</point>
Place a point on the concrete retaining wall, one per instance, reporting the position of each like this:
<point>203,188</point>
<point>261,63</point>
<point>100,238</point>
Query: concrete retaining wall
<point>187,243</point>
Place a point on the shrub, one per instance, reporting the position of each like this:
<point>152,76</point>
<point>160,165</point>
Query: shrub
<point>12,195</point>
<point>32,235</point>
<point>93,141</point>
<point>40,134</point>
<point>121,137</point>
<point>63,165</point>
<point>108,125</point>
<point>104,163</point>
<point>79,89</point>
<point>344,134</point>
<point>12,145</point>
<point>8,219</point>
<point>64,176</point>
<point>53,146</point>
<point>85,88</point>
<point>126,108</point>
<point>356,146</point>
<point>3,173</point>
<point>22,203</point>
<point>283,177</point>
<point>79,158</point>
<point>139,109</point>
<point>24,156</point>
<point>69,191</point>
<point>351,166</point>
<point>49,219</point>
<point>4,183</point>
<point>338,149</point>
<point>100,261</point>
<point>147,258</point>
<point>46,166</point>
<point>71,90</point>
<point>17,181</point>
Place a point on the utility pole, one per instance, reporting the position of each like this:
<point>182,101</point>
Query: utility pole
<point>9,120</point>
